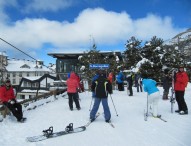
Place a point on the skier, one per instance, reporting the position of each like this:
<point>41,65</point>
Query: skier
<point>166,84</point>
<point>72,91</point>
<point>149,86</point>
<point>130,84</point>
<point>101,86</point>
<point>9,100</point>
<point>181,81</point>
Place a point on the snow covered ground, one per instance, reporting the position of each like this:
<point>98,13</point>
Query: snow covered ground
<point>130,127</point>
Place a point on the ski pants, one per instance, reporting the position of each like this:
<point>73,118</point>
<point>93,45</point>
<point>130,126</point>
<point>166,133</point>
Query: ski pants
<point>73,97</point>
<point>153,100</point>
<point>180,101</point>
<point>95,108</point>
<point>16,109</point>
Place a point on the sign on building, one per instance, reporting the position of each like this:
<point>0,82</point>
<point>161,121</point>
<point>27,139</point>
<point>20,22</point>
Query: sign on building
<point>99,66</point>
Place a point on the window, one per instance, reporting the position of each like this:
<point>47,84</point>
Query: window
<point>14,74</point>
<point>20,74</point>
<point>14,81</point>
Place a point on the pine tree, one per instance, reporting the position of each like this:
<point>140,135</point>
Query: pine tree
<point>152,51</point>
<point>132,52</point>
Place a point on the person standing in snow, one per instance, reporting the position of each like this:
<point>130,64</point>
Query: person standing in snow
<point>149,86</point>
<point>110,78</point>
<point>8,99</point>
<point>101,86</point>
<point>181,81</point>
<point>167,82</point>
<point>120,81</point>
<point>130,84</point>
<point>72,91</point>
<point>95,77</point>
<point>138,82</point>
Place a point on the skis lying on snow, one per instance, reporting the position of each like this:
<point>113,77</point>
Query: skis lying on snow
<point>50,134</point>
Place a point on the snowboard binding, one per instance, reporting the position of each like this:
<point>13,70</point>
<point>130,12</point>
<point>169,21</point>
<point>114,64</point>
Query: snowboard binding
<point>69,128</point>
<point>48,131</point>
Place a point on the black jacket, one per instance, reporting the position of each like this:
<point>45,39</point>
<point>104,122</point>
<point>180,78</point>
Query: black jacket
<point>101,87</point>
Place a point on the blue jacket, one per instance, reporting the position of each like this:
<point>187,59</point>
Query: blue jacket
<point>95,77</point>
<point>150,86</point>
<point>120,77</point>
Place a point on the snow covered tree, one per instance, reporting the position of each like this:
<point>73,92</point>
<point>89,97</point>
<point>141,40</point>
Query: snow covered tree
<point>132,52</point>
<point>153,51</point>
<point>94,56</point>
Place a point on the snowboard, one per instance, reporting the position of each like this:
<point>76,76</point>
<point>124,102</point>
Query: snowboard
<point>50,134</point>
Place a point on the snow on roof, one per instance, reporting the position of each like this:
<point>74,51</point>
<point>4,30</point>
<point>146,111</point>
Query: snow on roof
<point>24,65</point>
<point>33,78</point>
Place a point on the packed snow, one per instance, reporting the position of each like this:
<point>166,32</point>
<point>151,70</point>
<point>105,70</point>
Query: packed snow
<point>130,127</point>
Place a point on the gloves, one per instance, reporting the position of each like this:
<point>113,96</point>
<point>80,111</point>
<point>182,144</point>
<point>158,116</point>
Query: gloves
<point>12,101</point>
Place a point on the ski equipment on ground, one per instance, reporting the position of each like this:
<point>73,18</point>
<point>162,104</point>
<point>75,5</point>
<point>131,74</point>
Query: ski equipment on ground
<point>159,117</point>
<point>48,133</point>
<point>97,115</point>
<point>111,124</point>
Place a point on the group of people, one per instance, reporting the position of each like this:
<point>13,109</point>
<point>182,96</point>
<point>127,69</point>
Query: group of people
<point>101,86</point>
<point>132,79</point>
<point>178,81</point>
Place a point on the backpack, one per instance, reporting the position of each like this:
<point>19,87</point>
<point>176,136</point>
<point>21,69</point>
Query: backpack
<point>100,88</point>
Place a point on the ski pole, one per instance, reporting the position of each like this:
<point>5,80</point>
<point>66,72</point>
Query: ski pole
<point>91,104</point>
<point>113,105</point>
<point>147,105</point>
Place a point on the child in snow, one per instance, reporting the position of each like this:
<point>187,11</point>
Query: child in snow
<point>149,86</point>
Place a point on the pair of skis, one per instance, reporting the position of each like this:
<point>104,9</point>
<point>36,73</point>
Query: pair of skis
<point>146,115</point>
<point>97,115</point>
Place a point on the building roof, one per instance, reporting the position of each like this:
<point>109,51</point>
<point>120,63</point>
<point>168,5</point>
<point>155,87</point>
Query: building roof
<point>74,55</point>
<point>24,66</point>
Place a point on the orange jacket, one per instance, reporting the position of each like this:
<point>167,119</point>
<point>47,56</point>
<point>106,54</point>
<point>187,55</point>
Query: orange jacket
<point>6,94</point>
<point>181,81</point>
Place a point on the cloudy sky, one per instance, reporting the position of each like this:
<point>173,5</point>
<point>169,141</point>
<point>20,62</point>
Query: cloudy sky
<point>38,27</point>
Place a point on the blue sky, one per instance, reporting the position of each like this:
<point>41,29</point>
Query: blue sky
<point>38,27</point>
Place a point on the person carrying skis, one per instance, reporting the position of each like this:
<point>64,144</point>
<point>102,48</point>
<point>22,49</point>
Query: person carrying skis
<point>101,86</point>
<point>181,81</point>
<point>9,100</point>
<point>72,91</point>
<point>149,86</point>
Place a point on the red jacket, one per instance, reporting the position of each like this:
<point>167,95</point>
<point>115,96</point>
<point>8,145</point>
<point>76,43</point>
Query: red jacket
<point>72,83</point>
<point>181,81</point>
<point>6,94</point>
<point>110,77</point>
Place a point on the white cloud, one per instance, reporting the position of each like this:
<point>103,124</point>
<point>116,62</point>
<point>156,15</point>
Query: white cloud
<point>107,28</point>
<point>47,5</point>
